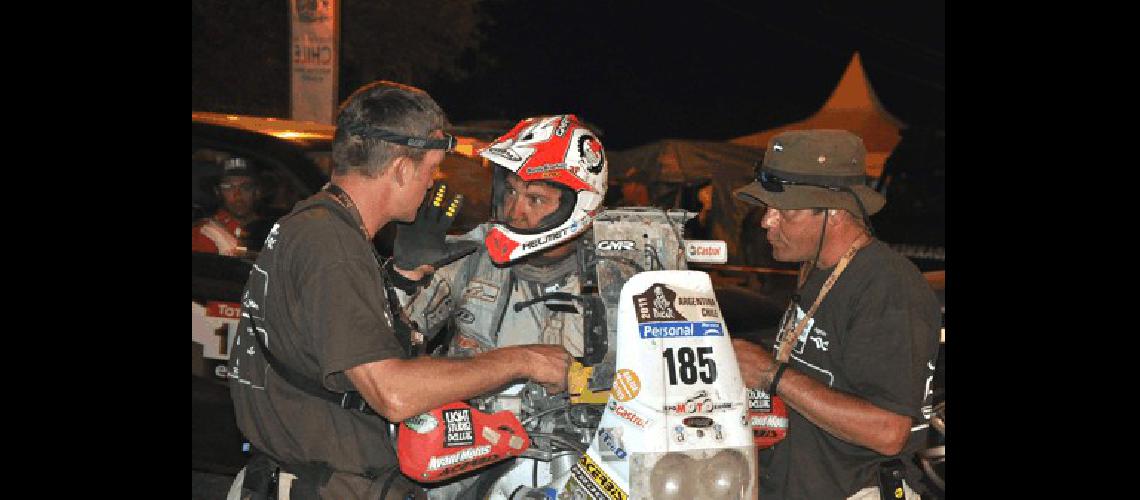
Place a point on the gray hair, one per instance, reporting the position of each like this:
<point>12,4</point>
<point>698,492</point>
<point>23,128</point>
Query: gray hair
<point>395,107</point>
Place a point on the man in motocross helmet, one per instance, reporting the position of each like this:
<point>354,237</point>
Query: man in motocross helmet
<point>549,183</point>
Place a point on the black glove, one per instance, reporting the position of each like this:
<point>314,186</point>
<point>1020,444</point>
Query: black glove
<point>422,241</point>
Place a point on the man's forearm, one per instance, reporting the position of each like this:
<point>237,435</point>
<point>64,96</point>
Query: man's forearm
<point>844,416</point>
<point>399,388</point>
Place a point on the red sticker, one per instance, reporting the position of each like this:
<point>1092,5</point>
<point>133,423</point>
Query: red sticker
<point>499,246</point>
<point>230,310</point>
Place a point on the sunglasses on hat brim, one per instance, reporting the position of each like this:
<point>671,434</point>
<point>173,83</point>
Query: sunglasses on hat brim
<point>774,183</point>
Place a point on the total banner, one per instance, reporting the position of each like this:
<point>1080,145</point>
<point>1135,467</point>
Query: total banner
<point>314,55</point>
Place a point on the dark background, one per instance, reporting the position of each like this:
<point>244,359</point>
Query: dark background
<point>640,71</point>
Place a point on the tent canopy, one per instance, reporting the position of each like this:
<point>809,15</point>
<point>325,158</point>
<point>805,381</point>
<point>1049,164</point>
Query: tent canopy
<point>689,162</point>
<point>853,106</point>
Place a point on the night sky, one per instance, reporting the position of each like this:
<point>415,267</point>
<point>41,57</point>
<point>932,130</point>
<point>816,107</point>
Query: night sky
<point>643,71</point>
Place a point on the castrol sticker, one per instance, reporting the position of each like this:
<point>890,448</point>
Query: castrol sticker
<point>626,385</point>
<point>710,251</point>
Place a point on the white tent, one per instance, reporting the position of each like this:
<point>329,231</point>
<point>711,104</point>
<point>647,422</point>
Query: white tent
<point>852,106</point>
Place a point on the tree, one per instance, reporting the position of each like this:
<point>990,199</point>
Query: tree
<point>241,50</point>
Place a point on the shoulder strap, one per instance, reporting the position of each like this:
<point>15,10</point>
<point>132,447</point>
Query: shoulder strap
<point>351,400</point>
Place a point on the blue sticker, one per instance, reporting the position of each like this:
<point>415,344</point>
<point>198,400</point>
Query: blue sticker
<point>667,330</point>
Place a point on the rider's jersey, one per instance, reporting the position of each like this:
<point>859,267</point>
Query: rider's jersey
<point>479,299</point>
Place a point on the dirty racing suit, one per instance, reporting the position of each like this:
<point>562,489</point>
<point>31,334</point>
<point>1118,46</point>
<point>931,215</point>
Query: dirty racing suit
<point>479,299</point>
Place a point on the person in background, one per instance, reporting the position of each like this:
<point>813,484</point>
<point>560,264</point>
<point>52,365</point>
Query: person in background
<point>226,232</point>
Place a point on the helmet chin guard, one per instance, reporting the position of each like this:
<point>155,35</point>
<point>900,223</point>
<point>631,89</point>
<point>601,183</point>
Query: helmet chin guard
<point>559,150</point>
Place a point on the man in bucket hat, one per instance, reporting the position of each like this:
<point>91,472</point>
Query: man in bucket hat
<point>854,356</point>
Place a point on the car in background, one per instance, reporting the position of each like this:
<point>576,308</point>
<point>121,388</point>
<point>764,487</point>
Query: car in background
<point>292,160</point>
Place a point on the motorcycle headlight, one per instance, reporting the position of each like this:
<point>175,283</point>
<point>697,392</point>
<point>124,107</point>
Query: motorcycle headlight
<point>724,476</point>
<point>673,476</point>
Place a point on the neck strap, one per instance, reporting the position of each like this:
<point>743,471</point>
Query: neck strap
<point>790,335</point>
<point>343,199</point>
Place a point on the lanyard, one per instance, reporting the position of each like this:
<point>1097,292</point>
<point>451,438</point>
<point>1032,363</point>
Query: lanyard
<point>790,336</point>
<point>415,337</point>
<point>345,201</point>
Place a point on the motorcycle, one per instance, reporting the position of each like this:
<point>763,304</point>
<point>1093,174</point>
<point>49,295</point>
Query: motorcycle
<point>655,407</point>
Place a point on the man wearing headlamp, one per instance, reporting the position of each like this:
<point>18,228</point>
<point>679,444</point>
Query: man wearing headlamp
<point>320,368</point>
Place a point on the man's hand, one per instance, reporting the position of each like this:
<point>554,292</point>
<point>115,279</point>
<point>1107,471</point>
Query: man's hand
<point>757,366</point>
<point>421,243</point>
<point>548,365</point>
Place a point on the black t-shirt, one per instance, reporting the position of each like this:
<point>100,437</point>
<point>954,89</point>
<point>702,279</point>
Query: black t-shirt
<point>317,291</point>
<point>875,336</point>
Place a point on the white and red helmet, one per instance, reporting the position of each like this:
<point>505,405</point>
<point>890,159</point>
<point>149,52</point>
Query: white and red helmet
<point>561,151</point>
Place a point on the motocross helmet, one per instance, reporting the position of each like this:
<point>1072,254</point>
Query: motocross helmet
<point>562,152</point>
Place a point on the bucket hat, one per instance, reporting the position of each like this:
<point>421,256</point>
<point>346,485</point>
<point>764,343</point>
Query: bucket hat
<point>814,169</point>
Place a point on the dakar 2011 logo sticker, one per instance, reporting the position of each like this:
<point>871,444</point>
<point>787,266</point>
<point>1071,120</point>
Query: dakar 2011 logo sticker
<point>658,303</point>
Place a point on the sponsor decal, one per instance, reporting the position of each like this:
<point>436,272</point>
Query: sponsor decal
<point>768,421</point>
<point>422,423</point>
<point>626,385</point>
<point>464,455</point>
<point>591,153</point>
<point>656,304</point>
<point>459,432</point>
<point>712,251</point>
<point>680,329</point>
<point>759,400</point>
<point>611,437</point>
<point>628,414</point>
<point>481,290</point>
<point>920,251</point>
<point>544,169</point>
<point>601,479</point>
<point>464,316</point>
<point>545,239</point>
<point>230,310</point>
<point>707,305</point>
<point>698,422</point>
<point>504,153</point>
<point>580,487</point>
<point>563,124</point>
<point>616,245</point>
<point>699,403</point>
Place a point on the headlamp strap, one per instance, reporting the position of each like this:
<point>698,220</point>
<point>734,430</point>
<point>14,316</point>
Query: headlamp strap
<point>447,143</point>
<point>790,335</point>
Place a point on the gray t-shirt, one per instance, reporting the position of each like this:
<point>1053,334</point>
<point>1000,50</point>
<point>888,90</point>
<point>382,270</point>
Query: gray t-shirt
<point>875,336</point>
<point>317,291</point>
